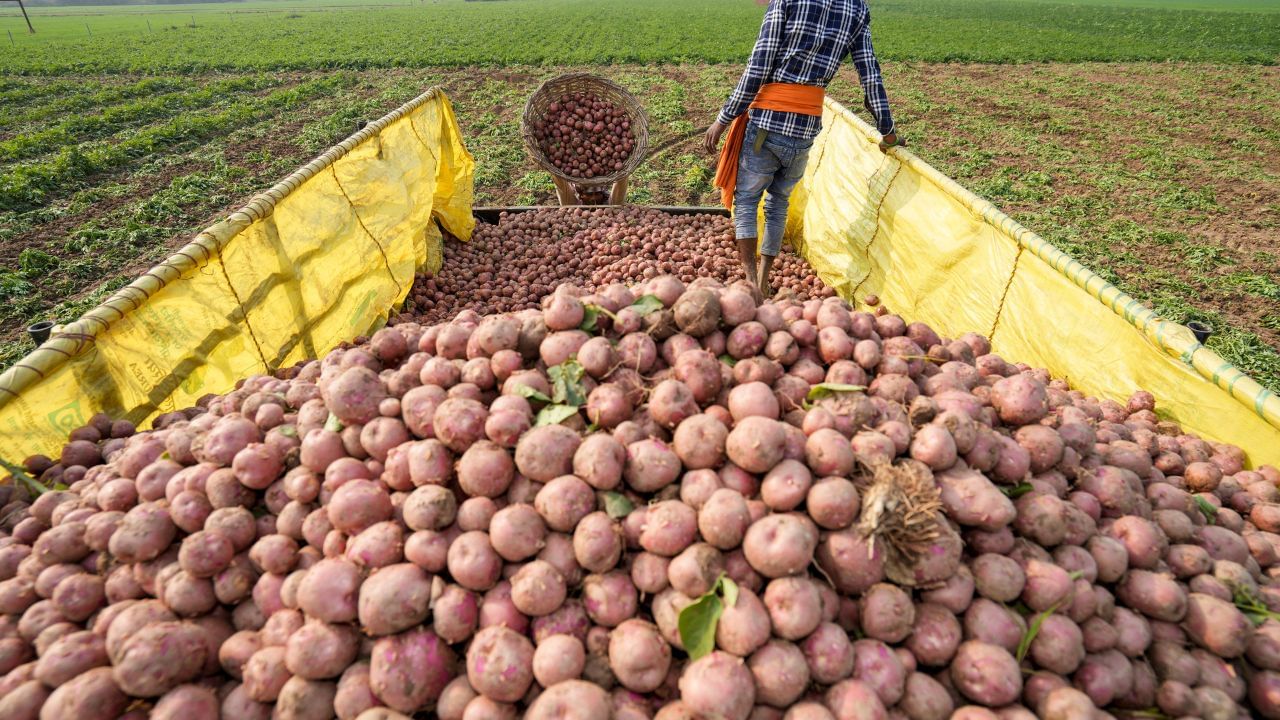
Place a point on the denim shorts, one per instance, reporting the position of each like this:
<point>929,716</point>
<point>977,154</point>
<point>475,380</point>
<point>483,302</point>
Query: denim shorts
<point>776,167</point>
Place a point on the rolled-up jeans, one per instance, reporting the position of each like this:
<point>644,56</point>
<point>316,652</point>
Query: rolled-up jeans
<point>776,166</point>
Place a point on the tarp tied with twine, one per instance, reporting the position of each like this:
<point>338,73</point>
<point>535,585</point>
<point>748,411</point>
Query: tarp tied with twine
<point>315,260</point>
<point>894,226</point>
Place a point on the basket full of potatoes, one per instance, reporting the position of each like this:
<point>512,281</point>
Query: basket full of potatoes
<point>585,129</point>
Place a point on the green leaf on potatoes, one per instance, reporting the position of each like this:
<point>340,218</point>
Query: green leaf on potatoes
<point>697,625</point>
<point>333,424</point>
<point>728,589</point>
<point>1252,606</point>
<point>1207,509</point>
<point>646,304</point>
<point>19,473</point>
<point>589,315</point>
<point>554,415</point>
<point>529,393</point>
<point>617,506</point>
<point>600,310</point>
<point>1014,492</point>
<point>1030,635</point>
<point>697,622</point>
<point>566,383</point>
<point>822,390</point>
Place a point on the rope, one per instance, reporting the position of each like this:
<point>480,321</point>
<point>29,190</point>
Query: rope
<point>386,262</point>
<point>1000,307</point>
<point>876,234</point>
<point>244,314</point>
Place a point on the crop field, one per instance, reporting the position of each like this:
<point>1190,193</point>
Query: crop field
<point>1142,137</point>
<point>297,34</point>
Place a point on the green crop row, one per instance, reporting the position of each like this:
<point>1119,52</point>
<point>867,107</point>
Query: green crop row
<point>18,94</point>
<point>27,185</point>
<point>312,35</point>
<point>78,128</point>
<point>35,100</point>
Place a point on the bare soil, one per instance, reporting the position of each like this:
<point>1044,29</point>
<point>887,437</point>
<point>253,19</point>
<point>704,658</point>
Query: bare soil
<point>1187,153</point>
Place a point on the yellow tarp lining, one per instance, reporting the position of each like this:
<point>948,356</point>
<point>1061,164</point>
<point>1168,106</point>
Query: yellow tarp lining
<point>315,260</point>
<point>320,257</point>
<point>894,226</point>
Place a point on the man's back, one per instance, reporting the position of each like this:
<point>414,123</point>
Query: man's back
<point>816,36</point>
<point>803,42</point>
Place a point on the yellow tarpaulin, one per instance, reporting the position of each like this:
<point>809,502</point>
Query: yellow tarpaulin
<point>894,226</point>
<point>315,260</point>
<point>319,259</point>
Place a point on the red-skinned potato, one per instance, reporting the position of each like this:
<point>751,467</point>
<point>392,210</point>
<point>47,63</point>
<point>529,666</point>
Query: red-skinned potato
<point>446,507</point>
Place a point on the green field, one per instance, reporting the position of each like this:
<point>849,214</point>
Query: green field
<point>420,33</point>
<point>1161,176</point>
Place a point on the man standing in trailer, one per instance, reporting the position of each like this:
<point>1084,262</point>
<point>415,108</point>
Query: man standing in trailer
<point>775,112</point>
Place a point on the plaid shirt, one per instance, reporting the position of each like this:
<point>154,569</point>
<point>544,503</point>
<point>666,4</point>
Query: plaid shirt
<point>803,41</point>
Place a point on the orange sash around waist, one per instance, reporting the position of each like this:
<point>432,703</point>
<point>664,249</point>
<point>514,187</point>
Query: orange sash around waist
<point>787,97</point>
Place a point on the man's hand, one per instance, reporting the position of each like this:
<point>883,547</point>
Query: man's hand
<point>712,139</point>
<point>891,140</point>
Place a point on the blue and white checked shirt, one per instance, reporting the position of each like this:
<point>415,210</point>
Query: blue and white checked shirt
<point>803,42</point>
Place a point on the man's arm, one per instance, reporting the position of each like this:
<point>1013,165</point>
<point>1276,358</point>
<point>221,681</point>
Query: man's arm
<point>767,46</point>
<point>874,97</point>
<point>768,43</point>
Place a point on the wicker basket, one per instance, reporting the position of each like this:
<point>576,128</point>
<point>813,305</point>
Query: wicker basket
<point>552,89</point>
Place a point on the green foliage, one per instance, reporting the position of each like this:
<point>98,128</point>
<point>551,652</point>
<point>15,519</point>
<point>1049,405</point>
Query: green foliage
<point>1263,286</point>
<point>567,393</point>
<point>826,389</point>
<point>697,621</point>
<point>78,128</point>
<point>554,414</point>
<point>1252,606</point>
<point>33,263</point>
<point>1016,491</point>
<point>529,393</point>
<point>311,34</point>
<point>1033,628</point>
<point>26,185</point>
<point>1205,256</point>
<point>1206,508</point>
<point>566,383</point>
<point>617,505</point>
<point>19,474</point>
<point>26,102</point>
<point>646,304</point>
<point>697,625</point>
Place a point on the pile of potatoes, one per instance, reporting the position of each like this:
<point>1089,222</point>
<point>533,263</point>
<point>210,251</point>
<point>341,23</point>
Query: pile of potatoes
<point>585,136</point>
<point>515,264</point>
<point>508,516</point>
